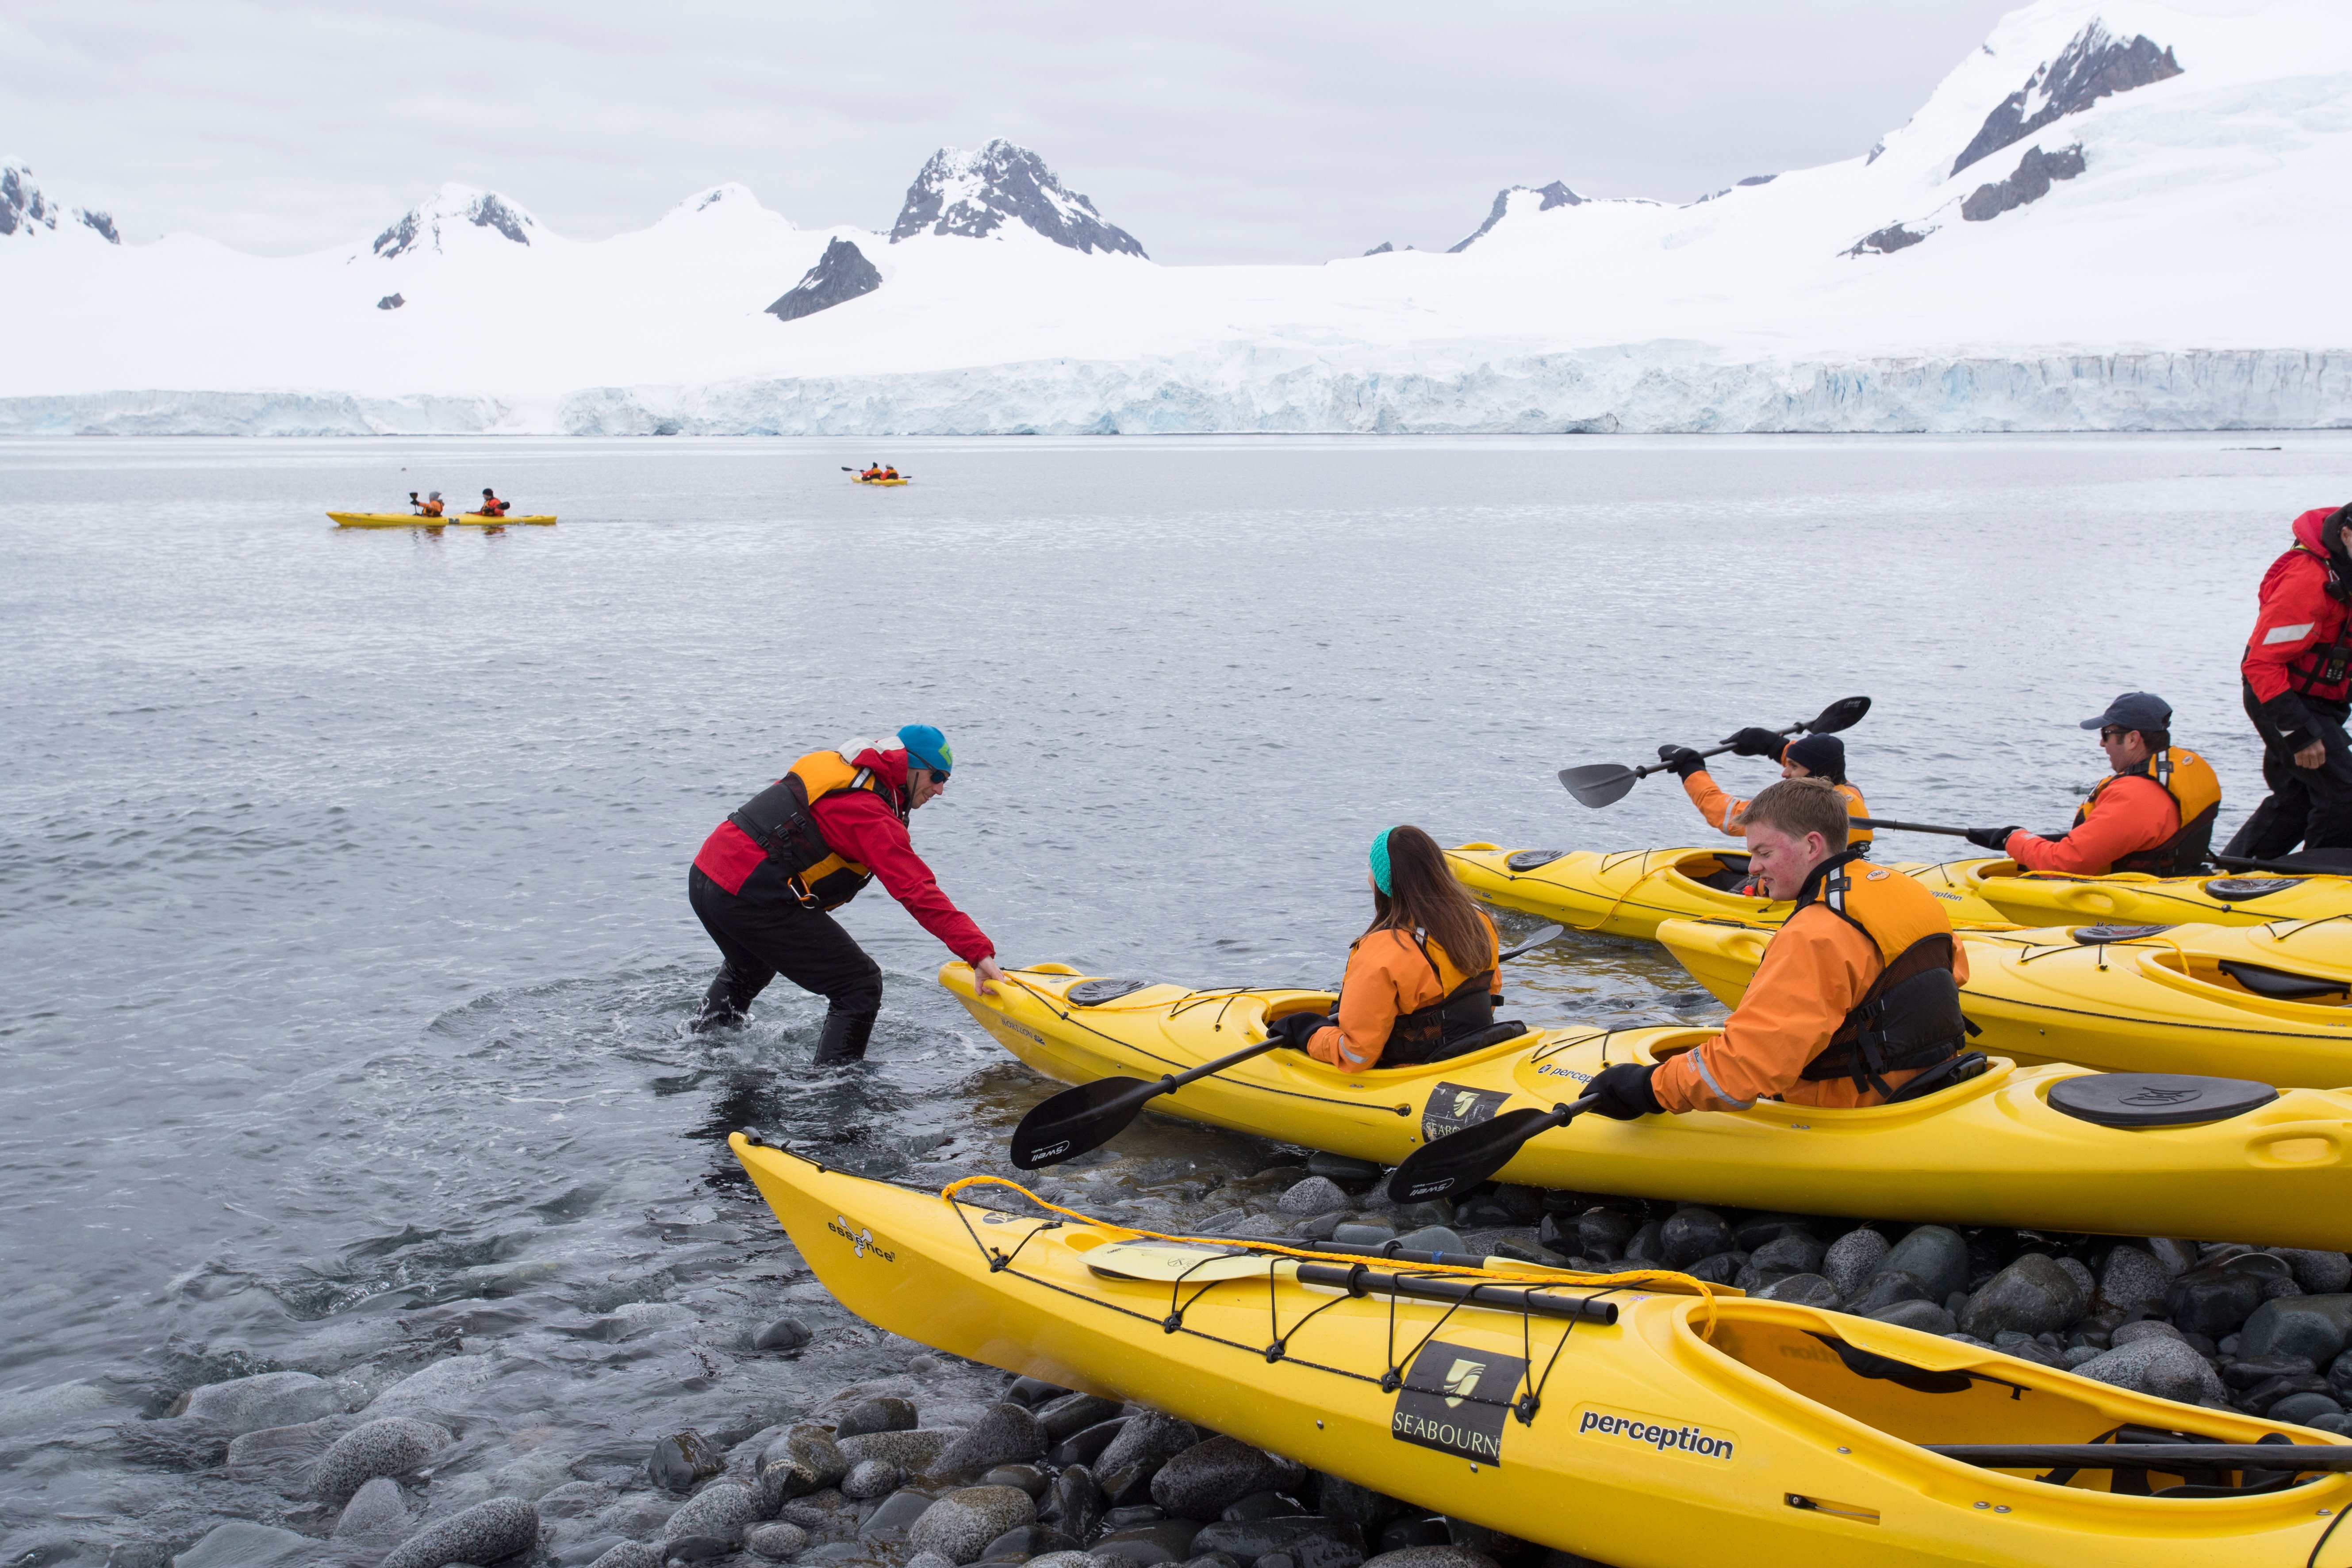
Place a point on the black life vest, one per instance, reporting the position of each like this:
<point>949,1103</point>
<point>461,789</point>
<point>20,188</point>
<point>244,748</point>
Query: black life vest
<point>778,819</point>
<point>1422,1034</point>
<point>2195,790</point>
<point>1910,1018</point>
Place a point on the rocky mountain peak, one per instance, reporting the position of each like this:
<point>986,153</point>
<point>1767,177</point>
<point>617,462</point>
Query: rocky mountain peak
<point>420,228</point>
<point>973,194</point>
<point>2093,65</point>
<point>1556,195</point>
<point>26,212</point>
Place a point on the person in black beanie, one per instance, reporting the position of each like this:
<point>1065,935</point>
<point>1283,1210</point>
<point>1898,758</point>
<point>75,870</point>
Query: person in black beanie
<point>1806,757</point>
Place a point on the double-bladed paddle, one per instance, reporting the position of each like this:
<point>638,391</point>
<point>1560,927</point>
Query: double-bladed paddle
<point>1605,783</point>
<point>2307,863</point>
<point>1462,1160</point>
<point>1092,1114</point>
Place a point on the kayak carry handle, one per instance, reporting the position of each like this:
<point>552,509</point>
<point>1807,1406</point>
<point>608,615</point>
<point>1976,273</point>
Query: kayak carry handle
<point>1362,1280</point>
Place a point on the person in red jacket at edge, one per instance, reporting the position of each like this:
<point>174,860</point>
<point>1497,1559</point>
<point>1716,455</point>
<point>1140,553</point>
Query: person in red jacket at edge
<point>491,505</point>
<point>2297,677</point>
<point>807,843</point>
<point>2154,814</point>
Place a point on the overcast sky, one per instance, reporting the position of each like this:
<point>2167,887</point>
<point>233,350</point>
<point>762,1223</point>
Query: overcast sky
<point>1257,132</point>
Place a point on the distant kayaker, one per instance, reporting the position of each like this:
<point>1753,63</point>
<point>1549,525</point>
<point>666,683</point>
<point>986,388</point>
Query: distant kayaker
<point>491,505</point>
<point>807,843</point>
<point>2297,680</point>
<point>430,507</point>
<point>891,473</point>
<point>1856,994</point>
<point>2154,814</point>
<point>1805,757</point>
<point>873,471</point>
<point>1421,978</point>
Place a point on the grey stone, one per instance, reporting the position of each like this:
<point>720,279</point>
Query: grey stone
<point>1057,1559</point>
<point>2129,1280</point>
<point>1025,1541</point>
<point>1884,1291</point>
<point>2080,1274</point>
<point>2316,1327</point>
<point>377,1513</point>
<point>1035,1392</point>
<point>1805,1290</point>
<point>1723,1268</point>
<point>1210,1476</point>
<point>1310,1540</point>
<point>1432,1557</point>
<point>1342,1167</point>
<point>1149,1440</point>
<point>929,1560</point>
<point>1795,1253</point>
<point>2031,183</point>
<point>1213,1560</point>
<point>1072,1414</point>
<point>1644,1245</point>
<point>2212,1301</point>
<point>785,1334</point>
<point>392,1446</point>
<point>1430,1238</point>
<point>2172,1254</point>
<point>2270,1390</point>
<point>281,1456</point>
<point>1007,1433</point>
<point>1315,1194</point>
<point>841,274</point>
<point>1074,1502</point>
<point>2093,64</point>
<point>884,1415</point>
<point>1851,1259</point>
<point>2319,1273</point>
<point>1692,1233</point>
<point>2249,1371</point>
<point>1757,1229</point>
<point>682,1459</point>
<point>826,1515</point>
<point>483,1533</point>
<point>2156,1365</point>
<point>1933,1255</point>
<point>1885,241</point>
<point>267,1399</point>
<point>871,1479</point>
<point>1601,1233</point>
<point>897,1514</point>
<point>2031,1295</point>
<point>973,193</point>
<point>1338,1498</point>
<point>912,1452</point>
<point>1555,195</point>
<point>1925,1316</point>
<point>241,1544</point>
<point>2146,1328</point>
<point>1142,1545</point>
<point>1363,1233</point>
<point>1085,1445</point>
<point>2303,1409</point>
<point>697,1548</point>
<point>1428,1211</point>
<point>959,1525</point>
<point>629,1554</point>
<point>1028,1478</point>
<point>775,1540</point>
<point>2074,1356</point>
<point>722,1508</point>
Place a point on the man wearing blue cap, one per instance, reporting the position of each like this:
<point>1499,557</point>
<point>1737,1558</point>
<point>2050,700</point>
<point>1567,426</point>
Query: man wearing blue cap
<point>766,877</point>
<point>2154,814</point>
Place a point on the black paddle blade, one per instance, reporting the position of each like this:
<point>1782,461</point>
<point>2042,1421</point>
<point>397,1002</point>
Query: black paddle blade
<point>1843,714</point>
<point>1536,938</point>
<point>1461,1160</point>
<point>1599,784</point>
<point>1078,1119</point>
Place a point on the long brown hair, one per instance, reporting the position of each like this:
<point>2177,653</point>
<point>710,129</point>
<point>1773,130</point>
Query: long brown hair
<point>1423,893</point>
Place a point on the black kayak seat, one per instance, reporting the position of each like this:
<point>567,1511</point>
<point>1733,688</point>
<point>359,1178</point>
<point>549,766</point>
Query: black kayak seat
<point>2280,986</point>
<point>1094,993</point>
<point>2238,889</point>
<point>1942,1076</point>
<point>1529,859</point>
<point>1493,1034</point>
<point>1730,879</point>
<point>2156,1099</point>
<point>2093,936</point>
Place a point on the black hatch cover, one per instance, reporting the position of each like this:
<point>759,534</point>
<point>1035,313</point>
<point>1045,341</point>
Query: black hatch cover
<point>2156,1099</point>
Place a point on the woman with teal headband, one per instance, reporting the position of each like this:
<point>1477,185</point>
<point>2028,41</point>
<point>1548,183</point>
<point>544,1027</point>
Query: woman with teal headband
<point>1420,980</point>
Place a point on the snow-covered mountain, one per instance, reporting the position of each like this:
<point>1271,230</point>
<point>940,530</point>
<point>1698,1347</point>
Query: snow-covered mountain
<point>25,214</point>
<point>2115,214</point>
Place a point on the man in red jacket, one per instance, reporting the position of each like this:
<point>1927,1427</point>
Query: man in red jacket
<point>766,877</point>
<point>2298,689</point>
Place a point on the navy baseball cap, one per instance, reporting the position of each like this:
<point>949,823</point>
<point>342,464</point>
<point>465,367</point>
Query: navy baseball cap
<point>2134,710</point>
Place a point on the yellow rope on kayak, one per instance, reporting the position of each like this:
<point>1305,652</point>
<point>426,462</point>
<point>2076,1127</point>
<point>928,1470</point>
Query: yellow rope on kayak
<point>1659,1276</point>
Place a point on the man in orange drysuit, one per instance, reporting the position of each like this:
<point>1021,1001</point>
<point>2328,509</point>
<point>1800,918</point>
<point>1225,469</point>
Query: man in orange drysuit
<point>1806,757</point>
<point>1857,993</point>
<point>2154,814</point>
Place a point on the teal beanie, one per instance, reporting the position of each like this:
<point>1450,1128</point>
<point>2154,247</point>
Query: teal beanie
<point>1380,860</point>
<point>927,748</point>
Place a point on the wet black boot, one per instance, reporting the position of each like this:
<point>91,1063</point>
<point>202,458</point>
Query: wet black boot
<point>843,1039</point>
<point>723,1004</point>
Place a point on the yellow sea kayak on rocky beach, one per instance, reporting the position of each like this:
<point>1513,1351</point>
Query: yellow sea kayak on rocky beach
<point>1628,892</point>
<point>2271,1003</point>
<point>1631,1419</point>
<point>1992,1150</point>
<point>2127,898</point>
<point>411,520</point>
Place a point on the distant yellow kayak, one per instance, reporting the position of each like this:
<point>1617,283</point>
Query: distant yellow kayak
<point>877,481</point>
<point>411,520</point>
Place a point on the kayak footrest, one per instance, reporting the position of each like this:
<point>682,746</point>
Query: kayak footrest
<point>1362,1279</point>
<point>2173,1458</point>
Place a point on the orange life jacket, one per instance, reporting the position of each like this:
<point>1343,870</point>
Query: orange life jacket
<point>780,821</point>
<point>429,509</point>
<point>1910,1018</point>
<point>2191,782</point>
<point>493,506</point>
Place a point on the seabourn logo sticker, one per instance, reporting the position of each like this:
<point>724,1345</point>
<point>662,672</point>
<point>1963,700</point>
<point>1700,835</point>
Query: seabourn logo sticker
<point>1455,1399</point>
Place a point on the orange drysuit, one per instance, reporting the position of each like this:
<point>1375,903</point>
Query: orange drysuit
<point>1815,971</point>
<point>1723,813</point>
<point>1388,976</point>
<point>2127,819</point>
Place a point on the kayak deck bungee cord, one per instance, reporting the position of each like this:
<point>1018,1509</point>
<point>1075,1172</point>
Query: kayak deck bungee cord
<point>2272,1002</point>
<point>2129,898</point>
<point>1649,1422</point>
<point>1989,1149</point>
<point>1627,892</point>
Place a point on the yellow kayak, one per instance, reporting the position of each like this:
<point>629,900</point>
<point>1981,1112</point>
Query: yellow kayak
<point>1990,1150</point>
<point>2053,899</point>
<point>1628,892</point>
<point>410,520</point>
<point>1631,1419</point>
<point>877,481</point>
<point>2270,1002</point>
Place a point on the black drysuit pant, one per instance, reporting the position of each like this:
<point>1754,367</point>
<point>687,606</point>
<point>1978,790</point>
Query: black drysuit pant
<point>2310,806</point>
<point>759,939</point>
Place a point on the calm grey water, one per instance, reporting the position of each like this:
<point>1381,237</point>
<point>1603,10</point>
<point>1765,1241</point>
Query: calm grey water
<point>342,902</point>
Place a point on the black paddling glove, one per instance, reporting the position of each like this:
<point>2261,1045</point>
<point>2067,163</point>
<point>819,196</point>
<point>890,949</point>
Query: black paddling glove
<point>1625,1092</point>
<point>1682,761</point>
<point>1295,1029</point>
<point>1753,741</point>
<point>1993,838</point>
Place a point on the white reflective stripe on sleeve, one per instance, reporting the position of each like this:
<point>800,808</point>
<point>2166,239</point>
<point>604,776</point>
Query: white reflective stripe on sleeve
<point>1727,811</point>
<point>2287,633</point>
<point>1698,1058</point>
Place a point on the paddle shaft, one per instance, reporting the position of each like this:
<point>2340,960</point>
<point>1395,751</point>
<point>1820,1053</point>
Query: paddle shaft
<point>1643,772</point>
<point>2232,862</point>
<point>1892,826</point>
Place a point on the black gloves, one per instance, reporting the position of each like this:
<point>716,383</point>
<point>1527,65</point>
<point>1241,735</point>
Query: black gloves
<point>1755,743</point>
<point>1993,838</point>
<point>1295,1029</point>
<point>1625,1092</point>
<point>1682,761</point>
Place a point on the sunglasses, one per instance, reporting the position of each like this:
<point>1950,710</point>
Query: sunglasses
<point>2112,733</point>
